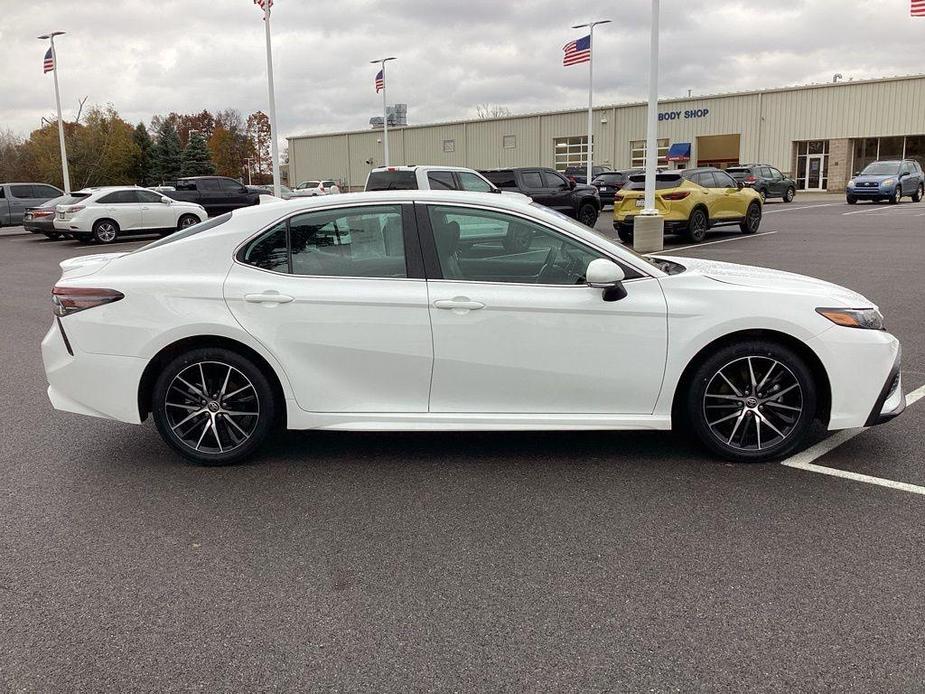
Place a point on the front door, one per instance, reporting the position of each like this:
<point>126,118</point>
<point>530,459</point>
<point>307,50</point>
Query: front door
<point>154,213</point>
<point>341,303</point>
<point>517,330</point>
<point>814,164</point>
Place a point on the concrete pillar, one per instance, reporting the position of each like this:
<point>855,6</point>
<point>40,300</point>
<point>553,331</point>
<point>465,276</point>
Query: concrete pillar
<point>648,233</point>
<point>839,165</point>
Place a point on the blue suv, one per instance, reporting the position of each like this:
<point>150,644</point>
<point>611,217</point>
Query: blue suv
<point>889,180</point>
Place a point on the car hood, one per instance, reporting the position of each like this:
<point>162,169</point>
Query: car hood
<point>759,277</point>
<point>875,178</point>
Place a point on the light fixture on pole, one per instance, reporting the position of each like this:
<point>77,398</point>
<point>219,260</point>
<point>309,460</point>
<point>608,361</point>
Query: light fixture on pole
<point>649,225</point>
<point>265,5</point>
<point>380,80</point>
<point>54,69</point>
<point>590,26</point>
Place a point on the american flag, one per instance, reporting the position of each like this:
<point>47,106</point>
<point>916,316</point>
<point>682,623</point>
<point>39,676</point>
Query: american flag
<point>918,8</point>
<point>264,4</point>
<point>380,82</point>
<point>49,61</point>
<point>579,50</point>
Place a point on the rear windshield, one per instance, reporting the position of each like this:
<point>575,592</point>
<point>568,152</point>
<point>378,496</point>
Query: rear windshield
<point>662,181</point>
<point>65,199</point>
<point>392,180</point>
<point>609,179</point>
<point>188,231</point>
<point>501,179</point>
<point>738,171</point>
<point>882,168</point>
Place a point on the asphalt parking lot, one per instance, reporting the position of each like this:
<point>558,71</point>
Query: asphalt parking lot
<point>419,562</point>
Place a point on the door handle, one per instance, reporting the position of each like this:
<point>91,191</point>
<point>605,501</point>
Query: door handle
<point>268,297</point>
<point>457,304</point>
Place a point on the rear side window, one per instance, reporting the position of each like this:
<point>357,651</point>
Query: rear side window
<point>469,181</point>
<point>392,180</point>
<point>441,180</point>
<point>502,179</point>
<point>148,196</point>
<point>118,197</point>
<point>363,241</point>
<point>21,191</point>
<point>188,231</point>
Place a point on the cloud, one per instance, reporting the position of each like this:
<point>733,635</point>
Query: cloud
<point>185,55</point>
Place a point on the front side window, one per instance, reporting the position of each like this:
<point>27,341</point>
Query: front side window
<point>229,186</point>
<point>353,242</point>
<point>441,180</point>
<point>724,180</point>
<point>486,246</point>
<point>552,180</point>
<point>471,182</point>
<point>148,196</point>
<point>21,191</point>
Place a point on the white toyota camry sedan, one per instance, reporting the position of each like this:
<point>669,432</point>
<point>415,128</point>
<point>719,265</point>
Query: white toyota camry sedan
<point>427,310</point>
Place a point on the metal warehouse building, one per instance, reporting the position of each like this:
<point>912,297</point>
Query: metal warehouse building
<point>819,133</point>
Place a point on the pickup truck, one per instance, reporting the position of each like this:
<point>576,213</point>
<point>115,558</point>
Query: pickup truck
<point>550,188</point>
<point>215,193</point>
<point>16,197</point>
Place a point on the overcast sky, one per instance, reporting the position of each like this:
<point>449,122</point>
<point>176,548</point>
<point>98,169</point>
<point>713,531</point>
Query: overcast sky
<point>157,56</point>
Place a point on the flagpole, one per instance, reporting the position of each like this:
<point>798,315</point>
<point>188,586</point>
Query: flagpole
<point>54,58</point>
<point>590,26</point>
<point>274,145</point>
<point>385,108</point>
<point>649,225</point>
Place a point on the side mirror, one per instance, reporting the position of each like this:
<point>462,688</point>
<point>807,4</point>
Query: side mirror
<point>571,184</point>
<point>166,201</point>
<point>904,174</point>
<point>607,275</point>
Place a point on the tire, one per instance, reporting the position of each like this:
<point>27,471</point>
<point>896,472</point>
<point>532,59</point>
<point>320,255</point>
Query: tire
<point>789,194</point>
<point>697,225</point>
<point>730,425</point>
<point>897,195</point>
<point>752,220</point>
<point>625,234</point>
<point>188,422</point>
<point>587,215</point>
<point>851,200</point>
<point>919,193</point>
<point>105,231</point>
<point>187,220</point>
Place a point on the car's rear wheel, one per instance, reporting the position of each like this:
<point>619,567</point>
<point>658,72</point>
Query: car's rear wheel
<point>697,225</point>
<point>919,193</point>
<point>587,215</point>
<point>897,195</point>
<point>105,231</point>
<point>790,194</point>
<point>752,220</point>
<point>752,401</point>
<point>187,220</point>
<point>213,406</point>
<point>625,234</point>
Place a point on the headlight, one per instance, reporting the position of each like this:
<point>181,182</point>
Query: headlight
<point>867,318</point>
<point>851,183</point>
<point>888,182</point>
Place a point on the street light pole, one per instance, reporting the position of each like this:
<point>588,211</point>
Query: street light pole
<point>385,108</point>
<point>649,225</point>
<point>590,26</point>
<point>274,145</point>
<point>64,171</point>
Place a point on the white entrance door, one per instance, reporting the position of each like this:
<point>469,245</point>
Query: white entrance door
<point>814,164</point>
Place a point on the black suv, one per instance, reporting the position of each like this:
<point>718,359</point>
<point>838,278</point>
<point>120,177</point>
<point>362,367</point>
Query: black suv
<point>610,182</point>
<point>580,173</point>
<point>550,188</point>
<point>765,179</point>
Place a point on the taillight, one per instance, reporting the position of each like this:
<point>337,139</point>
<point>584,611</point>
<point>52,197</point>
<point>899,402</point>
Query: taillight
<point>68,300</point>
<point>750,179</point>
<point>617,198</point>
<point>677,195</point>
<point>42,213</point>
<point>72,208</point>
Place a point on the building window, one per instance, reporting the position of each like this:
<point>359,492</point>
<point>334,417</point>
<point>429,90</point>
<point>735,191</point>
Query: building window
<point>509,141</point>
<point>813,164</point>
<point>449,146</point>
<point>571,151</point>
<point>638,153</point>
<point>870,149</point>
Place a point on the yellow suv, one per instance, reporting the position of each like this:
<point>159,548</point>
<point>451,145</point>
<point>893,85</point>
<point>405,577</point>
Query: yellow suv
<point>692,201</point>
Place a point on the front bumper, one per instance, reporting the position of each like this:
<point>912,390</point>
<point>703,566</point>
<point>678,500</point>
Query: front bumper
<point>870,193</point>
<point>627,222</point>
<point>892,401</point>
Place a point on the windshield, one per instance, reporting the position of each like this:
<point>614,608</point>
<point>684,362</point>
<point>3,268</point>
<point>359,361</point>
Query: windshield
<point>881,168</point>
<point>392,180</point>
<point>187,232</point>
<point>308,184</point>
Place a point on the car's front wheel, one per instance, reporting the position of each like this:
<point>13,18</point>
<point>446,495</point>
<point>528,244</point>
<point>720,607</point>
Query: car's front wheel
<point>187,220</point>
<point>919,193</point>
<point>752,219</point>
<point>625,234</point>
<point>752,401</point>
<point>789,195</point>
<point>851,200</point>
<point>213,406</point>
<point>897,195</point>
<point>587,215</point>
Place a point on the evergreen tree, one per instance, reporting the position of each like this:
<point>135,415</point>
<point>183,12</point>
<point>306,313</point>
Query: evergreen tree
<point>196,158</point>
<point>167,155</point>
<point>143,163</point>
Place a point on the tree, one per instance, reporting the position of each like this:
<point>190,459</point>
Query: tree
<point>143,165</point>
<point>196,159</point>
<point>229,144</point>
<point>167,154</point>
<point>258,130</point>
<point>102,149</point>
<point>485,111</point>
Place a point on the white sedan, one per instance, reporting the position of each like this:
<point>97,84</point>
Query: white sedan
<point>107,213</point>
<point>412,310</point>
<point>310,189</point>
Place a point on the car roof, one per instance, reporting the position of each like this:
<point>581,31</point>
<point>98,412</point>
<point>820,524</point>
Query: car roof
<point>425,167</point>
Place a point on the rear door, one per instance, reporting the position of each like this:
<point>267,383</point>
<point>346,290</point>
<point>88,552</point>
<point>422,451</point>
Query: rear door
<point>339,297</point>
<point>233,194</point>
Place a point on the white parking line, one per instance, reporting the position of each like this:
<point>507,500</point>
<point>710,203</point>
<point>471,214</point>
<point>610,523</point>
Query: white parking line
<point>891,208</point>
<point>804,460</point>
<point>669,251</point>
<point>805,207</point>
